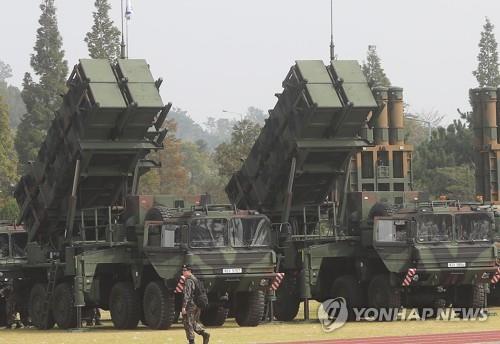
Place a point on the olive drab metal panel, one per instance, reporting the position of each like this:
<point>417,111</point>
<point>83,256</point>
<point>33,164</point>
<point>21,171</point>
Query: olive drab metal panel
<point>110,119</point>
<point>307,140</point>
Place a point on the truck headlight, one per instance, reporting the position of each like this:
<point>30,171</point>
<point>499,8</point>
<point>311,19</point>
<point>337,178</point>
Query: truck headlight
<point>264,282</point>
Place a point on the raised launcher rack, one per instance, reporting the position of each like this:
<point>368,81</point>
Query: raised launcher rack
<point>307,140</point>
<point>110,119</point>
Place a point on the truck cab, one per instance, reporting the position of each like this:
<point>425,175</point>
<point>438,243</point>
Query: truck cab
<point>229,250</point>
<point>444,250</point>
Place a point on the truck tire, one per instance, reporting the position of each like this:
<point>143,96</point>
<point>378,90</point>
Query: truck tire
<point>249,308</point>
<point>287,301</point>
<point>472,296</point>
<point>63,306</point>
<point>157,214</point>
<point>159,306</point>
<point>494,296</point>
<point>124,306</point>
<point>348,287</point>
<point>381,294</point>
<point>36,308</point>
<point>214,316</point>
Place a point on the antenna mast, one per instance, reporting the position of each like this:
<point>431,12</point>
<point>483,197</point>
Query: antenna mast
<point>332,46</point>
<point>123,52</point>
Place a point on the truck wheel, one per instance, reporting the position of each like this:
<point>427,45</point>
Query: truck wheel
<point>348,288</point>
<point>124,306</point>
<point>472,296</point>
<point>382,295</point>
<point>63,306</point>
<point>37,308</point>
<point>287,301</point>
<point>214,316</point>
<point>249,308</point>
<point>159,306</point>
<point>494,296</point>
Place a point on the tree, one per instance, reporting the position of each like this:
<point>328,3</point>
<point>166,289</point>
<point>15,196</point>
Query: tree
<point>11,95</point>
<point>417,127</point>
<point>256,115</point>
<point>173,174</point>
<point>5,71</point>
<point>372,68</point>
<point>8,165</point>
<point>42,98</point>
<point>487,69</point>
<point>229,156</point>
<point>444,165</point>
<point>103,40</point>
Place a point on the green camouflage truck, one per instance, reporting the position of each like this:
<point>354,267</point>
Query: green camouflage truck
<point>94,242</point>
<point>331,169</point>
<point>230,250</point>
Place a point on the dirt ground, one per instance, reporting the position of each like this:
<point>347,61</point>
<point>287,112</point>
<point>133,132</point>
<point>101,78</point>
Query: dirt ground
<point>230,333</point>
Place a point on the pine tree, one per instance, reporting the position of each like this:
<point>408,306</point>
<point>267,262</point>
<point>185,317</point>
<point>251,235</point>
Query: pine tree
<point>487,69</point>
<point>8,166</point>
<point>8,158</point>
<point>42,98</point>
<point>103,40</point>
<point>372,68</point>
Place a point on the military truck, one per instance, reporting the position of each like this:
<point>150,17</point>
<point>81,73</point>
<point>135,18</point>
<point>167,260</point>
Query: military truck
<point>221,240</point>
<point>94,242</point>
<point>338,198</point>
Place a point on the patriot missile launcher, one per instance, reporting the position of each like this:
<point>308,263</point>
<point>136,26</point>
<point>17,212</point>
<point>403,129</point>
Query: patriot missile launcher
<point>332,170</point>
<point>94,242</point>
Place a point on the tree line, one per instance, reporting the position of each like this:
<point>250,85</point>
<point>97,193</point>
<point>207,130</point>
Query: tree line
<point>443,161</point>
<point>201,158</point>
<point>196,159</point>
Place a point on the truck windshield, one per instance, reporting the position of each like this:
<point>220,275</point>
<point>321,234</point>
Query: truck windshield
<point>19,241</point>
<point>4,245</point>
<point>208,233</point>
<point>473,227</point>
<point>250,231</point>
<point>434,228</point>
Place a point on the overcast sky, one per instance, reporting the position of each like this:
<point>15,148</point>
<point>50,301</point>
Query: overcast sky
<point>231,54</point>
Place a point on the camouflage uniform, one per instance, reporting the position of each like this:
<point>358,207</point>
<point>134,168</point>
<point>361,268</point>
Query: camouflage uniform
<point>191,319</point>
<point>10,305</point>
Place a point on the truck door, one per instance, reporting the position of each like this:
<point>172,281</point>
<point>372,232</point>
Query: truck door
<point>392,243</point>
<point>162,247</point>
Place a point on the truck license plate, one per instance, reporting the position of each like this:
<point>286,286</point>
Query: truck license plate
<point>456,265</point>
<point>232,271</point>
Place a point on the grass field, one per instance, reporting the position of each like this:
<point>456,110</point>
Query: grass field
<point>232,334</point>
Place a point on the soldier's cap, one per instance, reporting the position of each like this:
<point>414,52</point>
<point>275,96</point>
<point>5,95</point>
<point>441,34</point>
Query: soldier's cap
<point>187,267</point>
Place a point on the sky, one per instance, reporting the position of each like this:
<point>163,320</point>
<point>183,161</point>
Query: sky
<point>217,55</point>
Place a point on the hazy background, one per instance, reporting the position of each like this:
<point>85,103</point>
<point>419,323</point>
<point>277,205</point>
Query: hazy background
<point>231,54</point>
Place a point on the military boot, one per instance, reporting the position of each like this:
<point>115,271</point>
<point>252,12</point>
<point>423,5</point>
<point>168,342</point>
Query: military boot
<point>206,337</point>
<point>191,341</point>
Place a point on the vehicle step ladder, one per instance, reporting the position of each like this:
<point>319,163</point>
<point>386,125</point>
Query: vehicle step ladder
<point>51,285</point>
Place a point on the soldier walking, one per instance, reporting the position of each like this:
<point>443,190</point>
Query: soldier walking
<point>8,294</point>
<point>190,311</point>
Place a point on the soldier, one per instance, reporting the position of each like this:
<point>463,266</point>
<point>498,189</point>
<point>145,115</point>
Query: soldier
<point>190,311</point>
<point>4,247</point>
<point>10,306</point>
